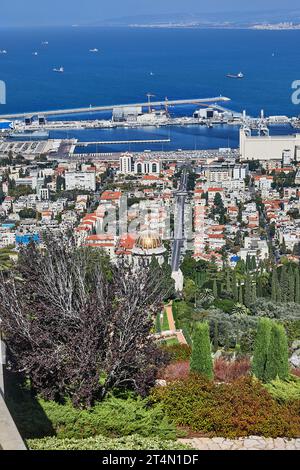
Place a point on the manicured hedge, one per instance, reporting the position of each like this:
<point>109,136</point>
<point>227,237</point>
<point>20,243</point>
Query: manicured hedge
<point>134,442</point>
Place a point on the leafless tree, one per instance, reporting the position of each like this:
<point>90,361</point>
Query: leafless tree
<point>79,326</point>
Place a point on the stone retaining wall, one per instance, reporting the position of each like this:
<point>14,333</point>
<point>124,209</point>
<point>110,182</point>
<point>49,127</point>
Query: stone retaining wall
<point>243,443</point>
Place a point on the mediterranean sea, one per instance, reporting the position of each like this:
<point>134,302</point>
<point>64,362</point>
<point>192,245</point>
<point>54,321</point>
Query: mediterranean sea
<point>173,63</point>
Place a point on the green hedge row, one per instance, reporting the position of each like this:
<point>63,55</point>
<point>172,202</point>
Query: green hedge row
<point>134,442</point>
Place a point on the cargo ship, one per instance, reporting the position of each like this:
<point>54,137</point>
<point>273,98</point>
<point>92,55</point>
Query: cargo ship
<point>29,135</point>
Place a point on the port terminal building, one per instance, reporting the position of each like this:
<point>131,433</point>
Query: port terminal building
<point>265,147</point>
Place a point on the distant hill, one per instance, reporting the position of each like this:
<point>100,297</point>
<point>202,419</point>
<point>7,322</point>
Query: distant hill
<point>233,19</point>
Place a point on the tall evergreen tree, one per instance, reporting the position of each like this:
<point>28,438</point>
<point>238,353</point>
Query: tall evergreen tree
<point>248,263</point>
<point>215,289</point>
<point>241,297</point>
<point>248,296</point>
<point>216,336</point>
<point>158,324</point>
<point>291,292</point>
<point>253,263</point>
<point>261,345</point>
<point>297,286</point>
<point>277,364</point>
<point>274,285</point>
<point>254,291</point>
<point>201,359</point>
<point>234,288</point>
<point>228,281</point>
<point>284,284</point>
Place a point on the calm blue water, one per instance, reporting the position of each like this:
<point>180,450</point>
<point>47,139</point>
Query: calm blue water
<point>185,138</point>
<point>184,63</point>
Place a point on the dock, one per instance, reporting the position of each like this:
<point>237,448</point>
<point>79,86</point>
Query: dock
<point>93,109</point>
<point>123,142</point>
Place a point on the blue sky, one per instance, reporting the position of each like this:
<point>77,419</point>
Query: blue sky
<point>46,12</point>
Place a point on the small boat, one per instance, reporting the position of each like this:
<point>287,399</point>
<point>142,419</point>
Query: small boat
<point>45,43</point>
<point>94,50</point>
<point>35,53</point>
<point>238,75</point>
<point>3,51</point>
<point>152,74</point>
<point>60,70</point>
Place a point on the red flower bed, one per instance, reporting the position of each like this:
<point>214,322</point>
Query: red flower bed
<point>176,370</point>
<point>227,371</point>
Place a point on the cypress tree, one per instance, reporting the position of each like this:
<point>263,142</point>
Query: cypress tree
<point>259,292</point>
<point>261,345</point>
<point>216,336</point>
<point>241,297</point>
<point>248,263</point>
<point>248,295</point>
<point>297,286</point>
<point>274,286</point>
<point>228,283</point>
<point>253,263</point>
<point>158,324</point>
<point>284,284</point>
<point>291,293</point>
<point>201,360</point>
<point>254,293</point>
<point>234,288</point>
<point>215,289</point>
<point>277,364</point>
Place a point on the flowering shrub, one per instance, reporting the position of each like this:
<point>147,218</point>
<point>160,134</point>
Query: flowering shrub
<point>176,370</point>
<point>296,372</point>
<point>227,371</point>
<point>241,408</point>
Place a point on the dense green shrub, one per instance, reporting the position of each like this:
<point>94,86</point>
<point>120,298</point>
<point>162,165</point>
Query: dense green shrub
<point>241,408</point>
<point>285,390</point>
<point>133,442</point>
<point>114,417</point>
<point>277,364</point>
<point>226,305</point>
<point>201,359</point>
<point>261,346</point>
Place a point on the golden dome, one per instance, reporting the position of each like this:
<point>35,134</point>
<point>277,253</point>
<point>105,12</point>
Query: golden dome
<point>148,241</point>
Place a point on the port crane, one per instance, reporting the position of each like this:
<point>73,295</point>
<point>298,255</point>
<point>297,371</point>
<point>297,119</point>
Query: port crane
<point>149,96</point>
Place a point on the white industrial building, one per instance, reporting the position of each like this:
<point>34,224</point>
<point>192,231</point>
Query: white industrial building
<point>147,167</point>
<point>85,180</point>
<point>265,147</point>
<point>141,166</point>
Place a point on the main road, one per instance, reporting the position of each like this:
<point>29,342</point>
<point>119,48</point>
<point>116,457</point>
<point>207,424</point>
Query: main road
<point>92,109</point>
<point>179,222</point>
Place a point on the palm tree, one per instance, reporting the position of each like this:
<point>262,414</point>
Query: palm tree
<point>206,296</point>
<point>240,310</point>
